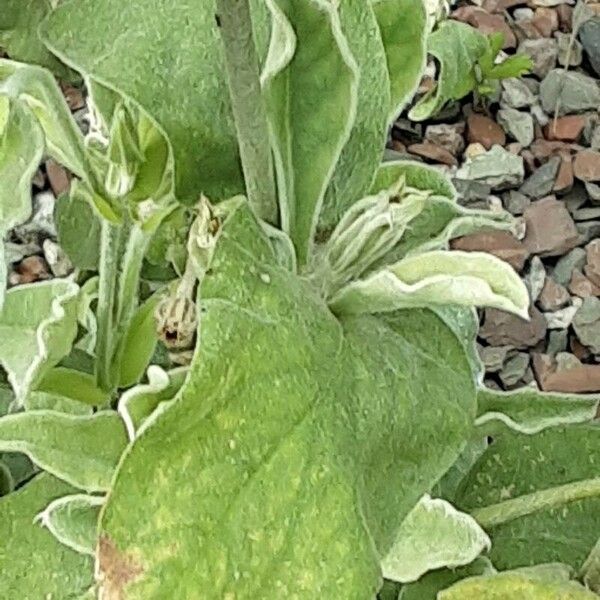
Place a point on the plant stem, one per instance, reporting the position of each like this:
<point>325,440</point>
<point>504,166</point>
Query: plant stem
<point>496,514</point>
<point>109,270</point>
<point>248,106</point>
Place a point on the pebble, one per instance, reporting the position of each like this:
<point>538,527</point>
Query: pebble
<point>587,324</point>
<point>553,296</point>
<point>516,94</point>
<point>517,124</point>
<point>567,51</point>
<point>29,270</point>
<point>566,129</point>
<point>58,261</point>
<point>514,369</point>
<point>503,329</point>
<point>592,261</point>
<point>581,286</point>
<point>550,228</point>
<point>449,137</point>
<point>541,182</point>
<point>565,178</point>
<point>502,244</point>
<point>515,202</point>
<point>57,177</point>
<point>486,23</point>
<point>543,53</point>
<point>485,131</point>
<point>586,165</point>
<point>433,152</point>
<point>496,167</point>
<point>567,264</point>
<point>557,341</point>
<point>535,278</point>
<point>572,92</point>
<point>561,319</point>
<point>41,222</point>
<point>589,34</point>
<point>493,357</point>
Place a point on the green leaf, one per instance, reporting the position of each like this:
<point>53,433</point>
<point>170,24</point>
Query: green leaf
<point>513,584</point>
<point>375,412</point>
<point>363,151</point>
<point>19,22</point>
<point>517,465</point>
<point>137,404</point>
<point>139,342</point>
<point>38,324</point>
<point>513,66</point>
<point>488,59</point>
<point>404,29</point>
<point>590,571</point>
<point>81,450</point>
<point>462,278</point>
<point>37,88</point>
<point>457,47</point>
<point>176,79</point>
<point>433,535</point>
<point>45,401</point>
<point>75,385</point>
<point>531,411</point>
<point>73,521</point>
<point>311,103</point>
<point>34,565</point>
<point>430,584</point>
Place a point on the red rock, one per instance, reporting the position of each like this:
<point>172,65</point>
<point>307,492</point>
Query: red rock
<point>484,130</point>
<point>398,146</point>
<point>503,329</point>
<point>550,229</point>
<point>502,244</point>
<point>586,165</point>
<point>581,286</point>
<point>553,296</point>
<point>433,152</point>
<point>545,20</point>
<point>526,30</point>
<point>564,178</point>
<point>585,378</point>
<point>448,136</point>
<point>567,128</point>
<point>565,17</point>
<point>73,96</point>
<point>29,270</point>
<point>592,265</point>
<point>57,177</point>
<point>486,23</point>
<point>514,148</point>
<point>543,149</point>
<point>578,349</point>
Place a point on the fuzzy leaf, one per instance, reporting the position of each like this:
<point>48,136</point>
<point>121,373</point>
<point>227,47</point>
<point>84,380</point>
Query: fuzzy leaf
<point>363,151</point>
<point>37,326</point>
<point>513,66</point>
<point>81,450</point>
<point>311,103</point>
<point>463,278</point>
<point>404,29</point>
<point>531,411</point>
<point>75,385</point>
<point>73,521</point>
<point>47,401</point>
<point>515,465</point>
<point>348,444</point>
<point>457,47</point>
<point>34,565</point>
<point>590,570</point>
<point>433,535</point>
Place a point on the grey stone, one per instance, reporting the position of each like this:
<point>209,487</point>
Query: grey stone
<point>565,266</point>
<point>587,214</point>
<point>588,230</point>
<point>514,369</point>
<point>504,329</point>
<point>572,92</point>
<point>523,14</point>
<point>593,190</point>
<point>449,137</point>
<point>589,34</point>
<point>562,319</point>
<point>557,341</point>
<point>517,124</point>
<point>541,182</point>
<point>595,138</point>
<point>494,357</point>
<point>57,260</point>
<point>575,198</point>
<point>543,53</point>
<point>535,278</point>
<point>472,193</point>
<point>41,222</point>
<point>574,55</point>
<point>587,324</point>
<point>497,168</point>
<point>515,202</point>
<point>566,361</point>
<point>516,93</point>
<point>537,112</point>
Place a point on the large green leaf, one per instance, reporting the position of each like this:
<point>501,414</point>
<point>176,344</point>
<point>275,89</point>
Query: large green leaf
<point>35,566</point>
<point>433,535</point>
<point>296,447</point>
<point>404,28</point>
<point>363,151</point>
<point>38,323</point>
<point>82,450</point>
<point>312,99</point>
<point>178,79</point>
<point>516,465</point>
<point>457,47</point>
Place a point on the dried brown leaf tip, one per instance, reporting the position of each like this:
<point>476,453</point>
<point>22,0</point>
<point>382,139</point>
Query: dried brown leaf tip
<point>115,570</point>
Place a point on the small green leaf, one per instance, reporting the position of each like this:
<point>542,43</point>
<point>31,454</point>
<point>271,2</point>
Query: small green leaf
<point>463,278</point>
<point>513,66</point>
<point>75,385</point>
<point>34,565</point>
<point>531,411</point>
<point>81,450</point>
<point>38,324</point>
<point>73,521</point>
<point>44,401</point>
<point>433,535</point>
<point>457,47</point>
<point>488,59</point>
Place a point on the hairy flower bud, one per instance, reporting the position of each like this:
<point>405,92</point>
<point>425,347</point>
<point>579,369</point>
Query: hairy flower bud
<point>176,322</point>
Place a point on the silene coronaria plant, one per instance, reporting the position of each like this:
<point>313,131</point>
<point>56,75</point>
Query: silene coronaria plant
<point>261,380</point>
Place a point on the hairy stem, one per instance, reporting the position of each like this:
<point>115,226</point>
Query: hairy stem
<point>496,514</point>
<point>248,106</point>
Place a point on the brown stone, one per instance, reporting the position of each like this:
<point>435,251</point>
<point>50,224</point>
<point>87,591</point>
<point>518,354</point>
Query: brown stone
<point>526,30</point>
<point>581,286</point>
<point>448,136</point>
<point>57,177</point>
<point>578,349</point>
<point>550,229</point>
<point>502,244</point>
<point>586,165</point>
<point>486,23</point>
<point>545,20</point>
<point>565,17</point>
<point>433,152</point>
<point>564,178</point>
<point>544,149</point>
<point>580,379</point>
<point>484,130</point>
<point>592,264</point>
<point>29,270</point>
<point>503,329</point>
<point>567,129</point>
<point>73,96</point>
<point>553,296</point>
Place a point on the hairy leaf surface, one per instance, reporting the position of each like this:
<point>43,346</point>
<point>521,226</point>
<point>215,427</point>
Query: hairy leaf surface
<point>301,433</point>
